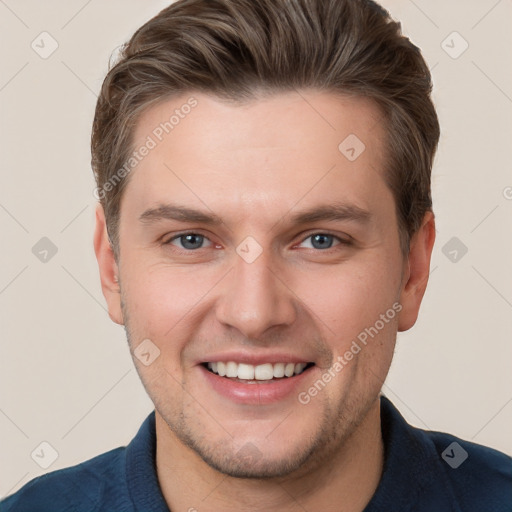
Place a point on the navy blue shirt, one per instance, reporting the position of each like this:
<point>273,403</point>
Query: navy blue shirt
<point>423,471</point>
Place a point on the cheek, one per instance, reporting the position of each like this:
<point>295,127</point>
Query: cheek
<point>353,310</point>
<point>162,299</point>
<point>163,304</point>
<point>347,299</point>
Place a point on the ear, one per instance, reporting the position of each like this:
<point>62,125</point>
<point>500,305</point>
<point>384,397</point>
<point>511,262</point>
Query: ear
<point>416,272</point>
<point>109,271</point>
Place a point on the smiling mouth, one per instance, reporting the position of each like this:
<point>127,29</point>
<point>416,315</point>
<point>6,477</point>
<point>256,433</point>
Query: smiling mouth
<point>251,374</point>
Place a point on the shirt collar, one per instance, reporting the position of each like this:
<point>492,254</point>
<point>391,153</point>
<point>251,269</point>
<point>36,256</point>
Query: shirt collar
<point>141,475</point>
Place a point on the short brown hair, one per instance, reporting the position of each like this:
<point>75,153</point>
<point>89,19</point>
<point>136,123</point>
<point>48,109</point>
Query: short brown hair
<point>235,49</point>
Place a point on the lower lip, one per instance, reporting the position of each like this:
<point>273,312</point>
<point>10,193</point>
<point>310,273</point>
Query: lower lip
<point>266,392</point>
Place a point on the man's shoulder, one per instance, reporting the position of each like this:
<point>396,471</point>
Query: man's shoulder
<point>479,477</point>
<point>427,470</point>
<point>83,487</point>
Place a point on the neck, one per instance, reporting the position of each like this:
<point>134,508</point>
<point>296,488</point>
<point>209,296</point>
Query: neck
<point>348,478</point>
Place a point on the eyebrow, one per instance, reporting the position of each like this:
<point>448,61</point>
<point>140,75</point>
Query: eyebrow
<point>335,211</point>
<point>329,212</point>
<point>179,213</point>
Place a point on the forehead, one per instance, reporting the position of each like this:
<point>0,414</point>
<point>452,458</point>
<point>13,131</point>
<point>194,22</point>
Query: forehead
<point>264,152</point>
<point>221,124</point>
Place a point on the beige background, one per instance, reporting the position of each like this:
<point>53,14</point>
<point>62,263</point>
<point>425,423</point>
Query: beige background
<point>66,375</point>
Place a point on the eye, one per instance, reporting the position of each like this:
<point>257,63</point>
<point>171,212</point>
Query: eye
<point>188,241</point>
<point>323,241</point>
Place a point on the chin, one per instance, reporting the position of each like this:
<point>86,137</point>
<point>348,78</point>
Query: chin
<point>247,456</point>
<point>250,463</point>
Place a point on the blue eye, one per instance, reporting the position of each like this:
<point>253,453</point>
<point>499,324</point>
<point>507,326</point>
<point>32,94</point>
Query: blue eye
<point>189,241</point>
<point>194,241</point>
<point>322,241</point>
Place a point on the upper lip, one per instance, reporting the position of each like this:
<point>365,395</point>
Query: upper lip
<point>255,359</point>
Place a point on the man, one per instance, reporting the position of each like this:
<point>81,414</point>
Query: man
<point>264,230</point>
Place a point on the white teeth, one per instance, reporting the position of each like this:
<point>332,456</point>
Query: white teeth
<point>279,370</point>
<point>221,369</point>
<point>245,371</point>
<point>266,371</point>
<point>231,369</point>
<point>299,367</point>
<point>289,369</point>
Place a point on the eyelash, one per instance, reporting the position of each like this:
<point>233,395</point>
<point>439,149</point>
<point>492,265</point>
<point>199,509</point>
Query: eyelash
<point>341,241</point>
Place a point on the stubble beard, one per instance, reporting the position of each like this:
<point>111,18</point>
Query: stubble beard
<point>248,462</point>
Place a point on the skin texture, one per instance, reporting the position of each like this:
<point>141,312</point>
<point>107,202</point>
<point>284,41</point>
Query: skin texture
<point>256,166</point>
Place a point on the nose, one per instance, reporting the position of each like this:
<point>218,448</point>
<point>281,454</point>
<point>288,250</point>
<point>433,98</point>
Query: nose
<point>255,297</point>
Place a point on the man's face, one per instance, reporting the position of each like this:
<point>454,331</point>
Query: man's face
<point>265,284</point>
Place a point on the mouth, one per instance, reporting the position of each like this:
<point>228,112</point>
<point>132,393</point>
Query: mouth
<point>256,374</point>
<point>261,384</point>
